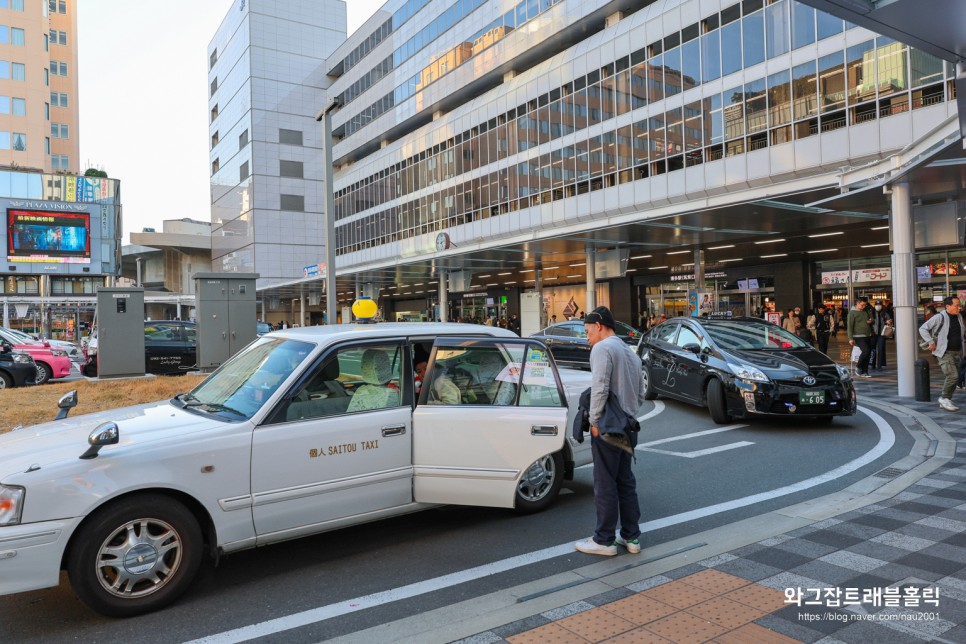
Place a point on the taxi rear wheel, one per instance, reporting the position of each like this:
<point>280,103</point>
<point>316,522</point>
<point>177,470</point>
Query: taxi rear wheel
<point>649,393</point>
<point>540,484</point>
<point>6,382</point>
<point>717,403</point>
<point>135,556</point>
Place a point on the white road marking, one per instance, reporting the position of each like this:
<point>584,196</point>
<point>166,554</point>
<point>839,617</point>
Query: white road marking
<point>682,437</point>
<point>658,408</point>
<point>887,439</point>
<point>697,453</point>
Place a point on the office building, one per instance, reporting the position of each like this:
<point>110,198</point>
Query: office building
<point>266,82</point>
<point>605,150</point>
<point>38,85</point>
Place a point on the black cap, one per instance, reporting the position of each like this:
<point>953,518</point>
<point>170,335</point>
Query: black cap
<point>603,315</point>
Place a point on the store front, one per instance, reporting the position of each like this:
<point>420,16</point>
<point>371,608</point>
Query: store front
<point>744,292</point>
<point>841,282</point>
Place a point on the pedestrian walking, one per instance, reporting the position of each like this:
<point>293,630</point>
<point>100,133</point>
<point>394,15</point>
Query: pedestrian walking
<point>615,382</point>
<point>881,323</point>
<point>823,327</point>
<point>859,331</point>
<point>791,323</point>
<point>943,333</point>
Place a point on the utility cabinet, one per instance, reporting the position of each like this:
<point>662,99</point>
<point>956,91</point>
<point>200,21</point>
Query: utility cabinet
<point>120,332</point>
<point>225,306</point>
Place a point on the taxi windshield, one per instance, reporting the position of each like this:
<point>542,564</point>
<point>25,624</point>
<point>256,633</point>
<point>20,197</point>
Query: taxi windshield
<point>240,387</point>
<point>743,335</point>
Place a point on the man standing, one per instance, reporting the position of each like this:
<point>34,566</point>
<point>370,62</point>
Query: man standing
<point>614,368</point>
<point>859,331</point>
<point>944,333</point>
<point>823,327</point>
<point>880,320</point>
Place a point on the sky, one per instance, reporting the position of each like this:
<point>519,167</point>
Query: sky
<point>143,79</point>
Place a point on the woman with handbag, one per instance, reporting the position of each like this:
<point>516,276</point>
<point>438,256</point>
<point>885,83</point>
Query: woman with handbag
<point>882,327</point>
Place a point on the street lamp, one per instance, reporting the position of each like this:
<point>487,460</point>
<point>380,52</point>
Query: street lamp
<point>330,304</point>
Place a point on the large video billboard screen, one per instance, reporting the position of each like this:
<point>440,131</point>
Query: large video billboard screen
<point>49,237</point>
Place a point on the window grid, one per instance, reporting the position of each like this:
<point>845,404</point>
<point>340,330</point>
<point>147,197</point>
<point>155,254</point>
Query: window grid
<point>782,107</point>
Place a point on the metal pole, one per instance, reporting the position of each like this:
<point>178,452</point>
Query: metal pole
<point>591,279</point>
<point>443,297</point>
<point>538,285</point>
<point>138,262</point>
<point>904,295</point>
<point>301,305</point>
<point>330,297</point>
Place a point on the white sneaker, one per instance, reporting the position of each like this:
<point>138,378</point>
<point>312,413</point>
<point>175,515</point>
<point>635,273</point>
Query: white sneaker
<point>947,404</point>
<point>591,547</point>
<point>633,546</point>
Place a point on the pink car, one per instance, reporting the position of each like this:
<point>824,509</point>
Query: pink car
<point>51,363</point>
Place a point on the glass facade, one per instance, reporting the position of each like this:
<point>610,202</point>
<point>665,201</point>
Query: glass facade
<point>440,187</point>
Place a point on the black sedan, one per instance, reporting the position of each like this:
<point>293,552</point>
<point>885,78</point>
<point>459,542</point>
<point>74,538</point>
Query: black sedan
<point>17,368</point>
<point>743,367</point>
<point>568,342</point>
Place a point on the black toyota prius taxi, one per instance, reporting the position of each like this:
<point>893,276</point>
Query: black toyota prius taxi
<point>743,367</point>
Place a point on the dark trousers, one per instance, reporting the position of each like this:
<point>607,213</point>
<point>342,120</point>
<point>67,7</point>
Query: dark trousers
<point>823,341</point>
<point>864,345</point>
<point>879,354</point>
<point>615,493</point>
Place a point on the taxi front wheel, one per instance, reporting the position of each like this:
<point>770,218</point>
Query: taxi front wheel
<point>134,556</point>
<point>717,402</point>
<point>540,484</point>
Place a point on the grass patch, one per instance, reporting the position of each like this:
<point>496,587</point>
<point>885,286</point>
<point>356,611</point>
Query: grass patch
<point>32,405</point>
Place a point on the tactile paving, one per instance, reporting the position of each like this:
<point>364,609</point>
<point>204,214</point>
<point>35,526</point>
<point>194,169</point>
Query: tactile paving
<point>596,625</point>
<point>640,609</point>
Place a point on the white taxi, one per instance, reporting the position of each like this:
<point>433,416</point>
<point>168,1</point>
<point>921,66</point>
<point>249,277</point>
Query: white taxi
<point>304,431</point>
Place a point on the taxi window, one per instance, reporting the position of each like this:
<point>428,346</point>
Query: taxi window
<point>191,334</point>
<point>663,332</point>
<point>687,336</point>
<point>560,331</point>
<point>351,379</point>
<point>162,333</point>
<point>491,375</point>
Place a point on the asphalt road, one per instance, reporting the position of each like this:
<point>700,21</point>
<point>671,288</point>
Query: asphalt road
<point>692,475</point>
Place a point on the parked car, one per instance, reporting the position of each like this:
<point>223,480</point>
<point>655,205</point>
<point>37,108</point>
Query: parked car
<point>170,347</point>
<point>73,351</point>
<point>569,345</point>
<point>743,367</point>
<point>303,431</point>
<point>17,369</point>
<point>261,328</point>
<point>51,363</point>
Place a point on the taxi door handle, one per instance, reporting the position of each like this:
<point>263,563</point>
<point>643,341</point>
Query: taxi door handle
<point>543,430</point>
<point>393,430</point>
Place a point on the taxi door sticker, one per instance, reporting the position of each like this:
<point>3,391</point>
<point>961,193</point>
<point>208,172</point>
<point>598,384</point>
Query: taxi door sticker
<point>537,370</point>
<point>510,373</point>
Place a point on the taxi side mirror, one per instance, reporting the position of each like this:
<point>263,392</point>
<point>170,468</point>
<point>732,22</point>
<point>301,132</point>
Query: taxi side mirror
<point>67,402</point>
<point>692,347</point>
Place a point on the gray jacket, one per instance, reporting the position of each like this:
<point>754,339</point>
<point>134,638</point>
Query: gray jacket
<point>614,367</point>
<point>936,329</point>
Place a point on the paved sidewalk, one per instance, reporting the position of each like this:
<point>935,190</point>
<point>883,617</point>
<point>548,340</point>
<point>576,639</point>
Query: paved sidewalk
<point>897,536</point>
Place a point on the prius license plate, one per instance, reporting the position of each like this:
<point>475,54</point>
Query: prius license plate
<point>811,398</point>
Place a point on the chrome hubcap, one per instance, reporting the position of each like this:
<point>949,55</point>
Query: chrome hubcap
<point>138,558</point>
<point>537,480</point>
